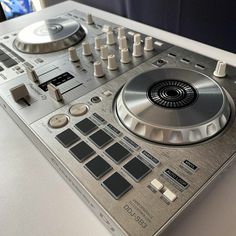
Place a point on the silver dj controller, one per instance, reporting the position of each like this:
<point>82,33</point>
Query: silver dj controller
<point>137,139</point>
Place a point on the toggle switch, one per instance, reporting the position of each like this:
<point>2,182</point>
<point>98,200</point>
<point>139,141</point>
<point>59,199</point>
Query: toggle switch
<point>54,92</point>
<point>137,38</point>
<point>32,75</point>
<point>86,49</point>
<point>19,92</point>
<point>110,38</point>
<point>121,32</point>
<point>104,52</point>
<point>89,19</point>
<point>122,42</point>
<point>137,50</point>
<point>112,62</point>
<point>148,44</point>
<point>98,71</point>
<point>220,70</point>
<point>73,56</point>
<point>97,43</point>
<point>124,58</point>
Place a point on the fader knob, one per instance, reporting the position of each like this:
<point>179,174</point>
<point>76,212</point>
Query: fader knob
<point>220,70</point>
<point>122,42</point>
<point>104,52</point>
<point>148,45</point>
<point>32,74</point>
<point>137,50</point>
<point>73,56</point>
<point>19,92</point>
<point>89,19</point>
<point>98,71</point>
<point>112,62</point>
<point>97,43</point>
<point>54,92</point>
<point>137,38</point>
<point>121,32</point>
<point>86,49</point>
<point>110,38</point>
<point>124,57</point>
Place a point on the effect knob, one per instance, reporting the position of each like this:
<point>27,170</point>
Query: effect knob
<point>104,52</point>
<point>122,43</point>
<point>124,57</point>
<point>89,19</point>
<point>73,56</point>
<point>121,32</point>
<point>137,50</point>
<point>112,62</point>
<point>137,38</point>
<point>110,38</point>
<point>19,92</point>
<point>31,73</point>
<point>148,45</point>
<point>98,71</point>
<point>97,43</point>
<point>220,70</point>
<point>86,49</point>
<point>54,92</point>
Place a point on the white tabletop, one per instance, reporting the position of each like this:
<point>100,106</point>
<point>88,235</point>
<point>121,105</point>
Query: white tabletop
<point>35,200</point>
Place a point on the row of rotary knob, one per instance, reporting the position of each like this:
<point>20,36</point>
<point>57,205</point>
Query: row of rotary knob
<point>104,50</point>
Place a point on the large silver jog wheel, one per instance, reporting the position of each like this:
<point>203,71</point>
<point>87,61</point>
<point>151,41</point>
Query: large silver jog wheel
<point>173,106</point>
<point>49,36</point>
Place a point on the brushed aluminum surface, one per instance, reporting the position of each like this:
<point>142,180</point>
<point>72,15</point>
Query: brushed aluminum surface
<point>49,36</point>
<point>204,117</point>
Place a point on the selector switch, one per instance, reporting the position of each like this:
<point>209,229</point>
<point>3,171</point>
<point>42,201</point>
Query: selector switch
<point>19,92</point>
<point>89,19</point>
<point>112,62</point>
<point>220,70</point>
<point>148,45</point>
<point>110,38</point>
<point>54,92</point>
<point>32,74</point>
<point>86,51</point>
<point>72,53</point>
<point>98,71</point>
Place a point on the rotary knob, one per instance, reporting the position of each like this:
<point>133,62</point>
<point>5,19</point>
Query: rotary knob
<point>72,53</point>
<point>121,32</point>
<point>89,19</point>
<point>148,44</point>
<point>112,62</point>
<point>98,71</point>
<point>86,51</point>
<point>220,70</point>
<point>97,43</point>
<point>124,58</point>
<point>137,38</point>
<point>110,38</point>
<point>122,43</point>
<point>137,50</point>
<point>104,52</point>
<point>32,75</point>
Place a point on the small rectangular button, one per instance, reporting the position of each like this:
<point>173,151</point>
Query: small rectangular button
<point>67,137</point>
<point>157,184</point>
<point>86,126</point>
<point>170,195</point>
<point>100,138</point>
<point>9,63</point>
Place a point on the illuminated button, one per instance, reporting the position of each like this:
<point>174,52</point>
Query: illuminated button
<point>67,138</point>
<point>82,151</point>
<point>98,167</point>
<point>100,138</point>
<point>58,121</point>
<point>136,169</point>
<point>86,126</point>
<point>117,153</point>
<point>157,184</point>
<point>116,185</point>
<point>78,109</point>
<point>170,195</point>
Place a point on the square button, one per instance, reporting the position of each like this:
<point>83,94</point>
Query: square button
<point>67,137</point>
<point>86,126</point>
<point>136,169</point>
<point>98,167</point>
<point>100,138</point>
<point>117,153</point>
<point>116,185</point>
<point>82,151</point>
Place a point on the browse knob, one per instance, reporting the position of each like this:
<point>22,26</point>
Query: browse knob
<point>137,50</point>
<point>104,52</point>
<point>73,56</point>
<point>32,74</point>
<point>121,32</point>
<point>86,49</point>
<point>54,92</point>
<point>110,38</point>
<point>89,19</point>
<point>124,57</point>
<point>97,43</point>
<point>19,92</point>
<point>98,71</point>
<point>220,70</point>
<point>148,45</point>
<point>112,62</point>
<point>137,38</point>
<point>122,42</point>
